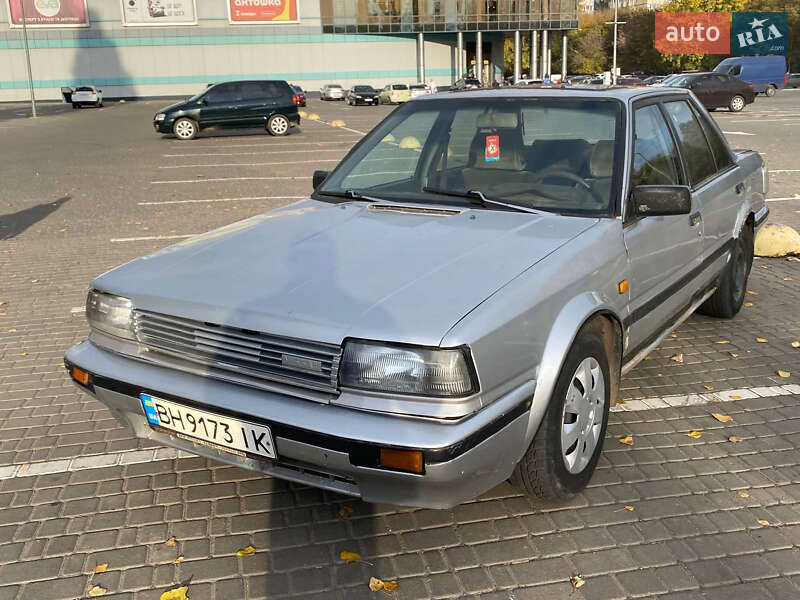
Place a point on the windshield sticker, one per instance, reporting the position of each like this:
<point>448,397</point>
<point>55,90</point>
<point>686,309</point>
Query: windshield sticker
<point>492,148</point>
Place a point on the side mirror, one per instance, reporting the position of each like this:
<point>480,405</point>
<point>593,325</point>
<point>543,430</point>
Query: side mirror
<point>661,200</point>
<point>318,178</point>
<point>203,102</point>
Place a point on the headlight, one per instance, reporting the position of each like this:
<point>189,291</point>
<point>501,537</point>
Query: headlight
<point>406,370</point>
<point>161,117</point>
<point>110,314</point>
<point>358,96</point>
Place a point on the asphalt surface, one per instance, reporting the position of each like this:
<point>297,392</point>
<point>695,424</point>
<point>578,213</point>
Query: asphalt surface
<point>84,191</point>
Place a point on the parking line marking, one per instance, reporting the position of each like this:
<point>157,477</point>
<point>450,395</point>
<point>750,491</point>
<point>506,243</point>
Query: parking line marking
<point>160,202</point>
<point>784,198</point>
<point>261,164</point>
<point>254,153</point>
<point>207,179</point>
<point>345,128</point>
<point>784,170</point>
<point>698,399</point>
<point>266,145</point>
<point>146,238</point>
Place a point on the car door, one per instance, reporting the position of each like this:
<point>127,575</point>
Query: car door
<point>703,88</point>
<point>220,105</point>
<point>713,175</point>
<point>662,250</point>
<point>255,103</point>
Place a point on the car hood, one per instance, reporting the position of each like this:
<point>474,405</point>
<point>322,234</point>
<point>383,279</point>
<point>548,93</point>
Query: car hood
<point>171,107</point>
<point>324,272</point>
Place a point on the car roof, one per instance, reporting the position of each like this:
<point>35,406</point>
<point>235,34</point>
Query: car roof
<point>623,93</point>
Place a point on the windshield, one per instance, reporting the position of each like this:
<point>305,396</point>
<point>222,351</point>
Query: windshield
<point>363,88</point>
<point>546,154</point>
<point>400,86</point>
<point>678,81</point>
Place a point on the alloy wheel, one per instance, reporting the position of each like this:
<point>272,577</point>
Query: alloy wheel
<point>184,129</point>
<point>279,125</point>
<point>737,103</point>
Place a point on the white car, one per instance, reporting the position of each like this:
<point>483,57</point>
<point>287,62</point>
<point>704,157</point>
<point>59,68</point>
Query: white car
<point>87,95</point>
<point>331,91</point>
<point>419,89</point>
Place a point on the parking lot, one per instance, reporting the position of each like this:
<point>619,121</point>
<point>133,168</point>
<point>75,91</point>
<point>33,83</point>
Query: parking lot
<point>671,515</point>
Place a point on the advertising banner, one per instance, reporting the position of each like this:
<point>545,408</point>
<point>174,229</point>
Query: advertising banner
<point>759,33</point>
<point>48,13</point>
<point>253,12</point>
<point>146,13</point>
<point>693,32</point>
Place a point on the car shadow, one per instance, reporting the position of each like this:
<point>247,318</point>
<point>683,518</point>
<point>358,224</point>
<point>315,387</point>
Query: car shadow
<point>11,225</point>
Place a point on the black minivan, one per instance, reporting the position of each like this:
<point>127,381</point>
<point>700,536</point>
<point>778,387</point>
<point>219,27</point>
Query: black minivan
<point>269,104</point>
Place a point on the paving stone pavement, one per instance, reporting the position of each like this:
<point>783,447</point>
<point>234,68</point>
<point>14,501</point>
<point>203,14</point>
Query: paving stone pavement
<point>671,516</point>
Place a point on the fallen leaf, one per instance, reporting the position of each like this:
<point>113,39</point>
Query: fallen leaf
<point>763,522</point>
<point>722,418</point>
<point>345,511</point>
<point>748,304</point>
<point>678,358</point>
<point>735,439</point>
<point>783,373</point>
<point>246,551</point>
<point>722,342</point>
<point>171,542</point>
<point>673,335</point>
<point>788,279</point>
<point>178,560</point>
<point>709,387</point>
<point>761,340</point>
<point>96,591</point>
<point>178,593</point>
<point>744,495</point>
<point>735,397</point>
<point>390,586</point>
<point>733,354</point>
<point>349,557</point>
<point>795,344</point>
<point>695,434</point>
<point>752,293</point>
<point>100,568</point>
<point>375,584</point>
<point>23,354</point>
<point>12,330</point>
<point>577,581</point>
<point>628,507</point>
<point>627,440</point>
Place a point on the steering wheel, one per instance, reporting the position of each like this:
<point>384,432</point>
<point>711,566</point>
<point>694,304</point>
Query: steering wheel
<point>563,175</point>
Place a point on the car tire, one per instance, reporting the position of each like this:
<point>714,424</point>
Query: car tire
<point>554,467</point>
<point>770,91</point>
<point>184,128</point>
<point>736,103</point>
<point>99,105</point>
<point>727,300</point>
<point>75,106</point>
<point>278,125</point>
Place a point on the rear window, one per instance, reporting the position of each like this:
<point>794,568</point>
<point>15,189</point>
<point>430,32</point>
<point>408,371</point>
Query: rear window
<point>417,87</point>
<point>84,89</point>
<point>399,86</point>
<point>334,86</point>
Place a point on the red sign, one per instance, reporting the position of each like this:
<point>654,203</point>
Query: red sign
<point>262,11</point>
<point>48,13</point>
<point>693,32</point>
<point>492,147</point>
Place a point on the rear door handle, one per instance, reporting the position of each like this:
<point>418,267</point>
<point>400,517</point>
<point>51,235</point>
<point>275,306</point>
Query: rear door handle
<point>739,188</point>
<point>694,219</point>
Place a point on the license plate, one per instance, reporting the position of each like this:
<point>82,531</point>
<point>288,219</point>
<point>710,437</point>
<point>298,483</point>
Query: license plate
<point>230,434</point>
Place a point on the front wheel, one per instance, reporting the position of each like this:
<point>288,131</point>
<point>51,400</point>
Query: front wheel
<point>728,298</point>
<point>278,125</point>
<point>736,103</point>
<point>184,129</point>
<point>770,91</point>
<point>563,455</point>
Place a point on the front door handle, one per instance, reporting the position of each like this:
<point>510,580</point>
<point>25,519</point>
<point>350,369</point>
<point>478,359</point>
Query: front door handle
<point>695,219</point>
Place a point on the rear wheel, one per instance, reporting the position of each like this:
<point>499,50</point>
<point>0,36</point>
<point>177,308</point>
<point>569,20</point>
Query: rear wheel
<point>727,300</point>
<point>184,129</point>
<point>278,125</point>
<point>770,91</point>
<point>563,455</point>
<point>736,103</point>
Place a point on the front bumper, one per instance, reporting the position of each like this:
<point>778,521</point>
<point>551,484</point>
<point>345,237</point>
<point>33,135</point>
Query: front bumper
<point>164,126</point>
<point>323,445</point>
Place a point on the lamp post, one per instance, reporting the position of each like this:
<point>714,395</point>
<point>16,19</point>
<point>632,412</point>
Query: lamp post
<point>615,22</point>
<point>27,56</point>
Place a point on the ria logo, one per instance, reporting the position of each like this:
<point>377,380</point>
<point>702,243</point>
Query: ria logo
<point>759,33</point>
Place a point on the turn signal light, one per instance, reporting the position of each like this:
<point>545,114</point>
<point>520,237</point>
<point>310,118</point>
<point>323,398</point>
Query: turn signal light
<point>623,286</point>
<point>402,460</point>
<point>80,376</point>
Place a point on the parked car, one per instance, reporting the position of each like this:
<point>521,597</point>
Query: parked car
<point>630,80</point>
<point>301,95</point>
<point>578,79</point>
<point>716,90</point>
<point>268,104</point>
<point>331,91</point>
<point>466,83</point>
<point>87,95</point>
<point>362,94</point>
<point>367,350</point>
<point>394,93</point>
<point>767,74</point>
<point>419,89</point>
<point>654,79</point>
<point>793,80</point>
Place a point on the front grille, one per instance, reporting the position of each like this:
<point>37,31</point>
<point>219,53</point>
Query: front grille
<point>249,353</point>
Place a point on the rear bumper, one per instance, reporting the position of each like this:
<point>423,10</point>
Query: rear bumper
<point>323,445</point>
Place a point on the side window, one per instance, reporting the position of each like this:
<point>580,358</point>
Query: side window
<point>692,140</point>
<point>719,146</point>
<point>251,91</point>
<point>655,157</point>
<point>272,89</point>
<point>735,71</point>
<point>225,92</point>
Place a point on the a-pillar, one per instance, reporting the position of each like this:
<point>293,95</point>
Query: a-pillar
<point>517,56</point>
<point>534,54</point>
<point>420,57</point>
<point>479,55</point>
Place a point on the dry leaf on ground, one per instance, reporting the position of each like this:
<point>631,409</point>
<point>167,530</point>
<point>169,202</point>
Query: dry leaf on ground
<point>100,568</point>
<point>673,335</point>
<point>722,418</point>
<point>178,560</point>
<point>722,342</point>
<point>345,511</point>
<point>171,541</point>
<point>735,439</point>
<point>628,507</point>
<point>752,293</point>
<point>748,304</point>
<point>763,522</point>
<point>788,279</point>
<point>349,557</point>
<point>783,373</point>
<point>577,581</point>
<point>390,586</point>
<point>709,387</point>
<point>96,591</point>
<point>733,354</point>
<point>627,440</point>
<point>744,495</point>
<point>678,358</point>
<point>377,585</point>
<point>178,593</point>
<point>761,340</point>
<point>795,344</point>
<point>695,434</point>
<point>735,397</point>
<point>246,551</point>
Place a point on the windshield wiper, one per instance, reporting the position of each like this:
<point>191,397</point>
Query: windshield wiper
<point>352,194</point>
<point>477,197</point>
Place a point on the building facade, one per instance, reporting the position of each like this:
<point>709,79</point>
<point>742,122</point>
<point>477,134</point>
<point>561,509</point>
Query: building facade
<point>136,50</point>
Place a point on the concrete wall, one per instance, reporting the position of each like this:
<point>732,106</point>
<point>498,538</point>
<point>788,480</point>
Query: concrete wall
<point>161,61</point>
